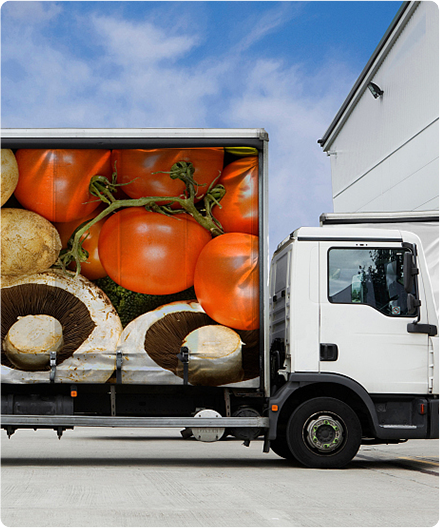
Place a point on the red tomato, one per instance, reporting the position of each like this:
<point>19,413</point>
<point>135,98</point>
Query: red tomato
<point>149,252</point>
<point>92,267</point>
<point>139,166</point>
<point>55,183</point>
<point>226,280</point>
<point>239,206</point>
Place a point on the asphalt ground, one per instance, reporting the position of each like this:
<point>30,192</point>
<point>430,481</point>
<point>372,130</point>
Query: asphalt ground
<point>153,477</point>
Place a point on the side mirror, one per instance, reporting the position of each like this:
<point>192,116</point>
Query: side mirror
<point>409,272</point>
<point>413,304</point>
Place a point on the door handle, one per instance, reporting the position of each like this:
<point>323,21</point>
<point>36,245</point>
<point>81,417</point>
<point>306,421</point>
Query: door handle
<point>328,352</point>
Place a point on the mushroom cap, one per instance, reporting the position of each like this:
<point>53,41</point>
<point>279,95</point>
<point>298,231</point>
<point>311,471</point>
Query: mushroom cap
<point>31,339</point>
<point>139,367</point>
<point>214,356</point>
<point>94,360</point>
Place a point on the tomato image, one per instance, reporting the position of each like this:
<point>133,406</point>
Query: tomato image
<point>226,280</point>
<point>139,168</point>
<point>92,267</point>
<point>149,252</point>
<point>55,183</point>
<point>239,206</point>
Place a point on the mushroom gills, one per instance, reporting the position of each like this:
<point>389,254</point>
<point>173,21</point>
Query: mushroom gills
<point>215,356</point>
<point>25,297</point>
<point>31,339</point>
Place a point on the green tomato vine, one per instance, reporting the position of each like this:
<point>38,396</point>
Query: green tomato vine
<point>104,189</point>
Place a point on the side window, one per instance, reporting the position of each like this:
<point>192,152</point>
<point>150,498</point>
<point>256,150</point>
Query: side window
<point>368,276</point>
<point>281,273</point>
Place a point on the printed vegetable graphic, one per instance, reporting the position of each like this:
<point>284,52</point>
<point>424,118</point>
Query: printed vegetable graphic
<point>166,226</point>
<point>147,170</point>
<point>242,151</point>
<point>104,189</point>
<point>226,280</point>
<point>55,183</point>
<point>130,304</point>
<point>238,211</point>
<point>9,175</point>
<point>29,243</point>
<point>90,329</point>
<point>92,267</point>
<point>31,339</point>
<point>151,253</point>
<point>152,341</point>
<point>214,356</point>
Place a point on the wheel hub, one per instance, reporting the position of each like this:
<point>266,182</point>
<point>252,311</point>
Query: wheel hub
<point>324,433</point>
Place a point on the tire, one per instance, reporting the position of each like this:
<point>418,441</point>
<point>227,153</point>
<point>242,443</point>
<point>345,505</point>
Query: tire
<point>324,433</point>
<point>280,447</point>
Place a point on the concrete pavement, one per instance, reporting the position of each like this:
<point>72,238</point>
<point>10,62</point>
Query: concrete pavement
<point>121,477</point>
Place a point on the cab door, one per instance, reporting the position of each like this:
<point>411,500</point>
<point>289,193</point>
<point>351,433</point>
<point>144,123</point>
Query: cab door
<point>364,319</point>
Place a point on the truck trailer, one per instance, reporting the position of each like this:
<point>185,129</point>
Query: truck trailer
<point>152,301</point>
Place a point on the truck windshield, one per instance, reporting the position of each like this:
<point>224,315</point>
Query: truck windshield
<point>368,276</point>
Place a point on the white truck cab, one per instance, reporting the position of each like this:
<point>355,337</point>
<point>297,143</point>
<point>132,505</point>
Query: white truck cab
<point>352,322</point>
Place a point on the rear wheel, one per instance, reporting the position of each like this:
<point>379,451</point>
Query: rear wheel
<point>324,433</point>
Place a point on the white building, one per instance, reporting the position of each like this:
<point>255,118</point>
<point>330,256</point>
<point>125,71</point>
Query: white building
<point>384,146</point>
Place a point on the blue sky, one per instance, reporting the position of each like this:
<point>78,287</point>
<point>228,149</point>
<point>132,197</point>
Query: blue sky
<point>282,66</point>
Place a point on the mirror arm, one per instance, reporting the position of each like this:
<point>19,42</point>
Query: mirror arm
<point>410,270</point>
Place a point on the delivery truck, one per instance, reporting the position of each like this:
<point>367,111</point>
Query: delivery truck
<point>137,291</point>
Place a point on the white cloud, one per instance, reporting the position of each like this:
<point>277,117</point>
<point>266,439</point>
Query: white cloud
<point>29,11</point>
<point>135,81</point>
<point>140,43</point>
<point>140,78</point>
<point>257,27</point>
<point>277,98</point>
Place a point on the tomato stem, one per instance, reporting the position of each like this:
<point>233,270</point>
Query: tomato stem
<point>104,189</point>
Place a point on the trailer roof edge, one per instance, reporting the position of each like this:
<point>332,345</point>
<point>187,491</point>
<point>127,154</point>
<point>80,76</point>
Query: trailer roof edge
<point>404,9</point>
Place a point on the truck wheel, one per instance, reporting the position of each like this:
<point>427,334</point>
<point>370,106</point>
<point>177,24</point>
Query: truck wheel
<point>280,447</point>
<point>324,433</point>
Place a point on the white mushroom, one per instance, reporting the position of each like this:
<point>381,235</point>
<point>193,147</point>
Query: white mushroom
<point>151,342</point>
<point>214,356</point>
<point>31,339</point>
<point>90,327</point>
<point>137,365</point>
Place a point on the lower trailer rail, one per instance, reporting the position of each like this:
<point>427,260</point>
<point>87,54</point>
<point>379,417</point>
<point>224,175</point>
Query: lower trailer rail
<point>31,420</point>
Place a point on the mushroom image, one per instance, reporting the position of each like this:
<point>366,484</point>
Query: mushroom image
<point>9,175</point>
<point>150,345</point>
<point>31,339</point>
<point>214,356</point>
<point>52,312</point>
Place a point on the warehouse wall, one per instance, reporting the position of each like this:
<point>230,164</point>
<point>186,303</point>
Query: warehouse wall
<point>385,156</point>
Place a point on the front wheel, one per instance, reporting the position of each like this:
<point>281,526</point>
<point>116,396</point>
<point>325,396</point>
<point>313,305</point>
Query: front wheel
<point>281,448</point>
<point>324,433</point>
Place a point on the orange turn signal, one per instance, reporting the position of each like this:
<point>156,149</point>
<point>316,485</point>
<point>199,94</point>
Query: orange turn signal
<point>73,393</point>
<point>274,408</point>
